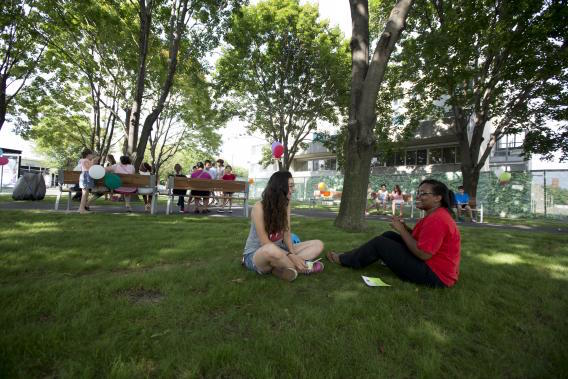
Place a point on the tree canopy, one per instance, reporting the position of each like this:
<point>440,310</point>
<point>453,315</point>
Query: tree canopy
<point>487,64</point>
<point>283,70</point>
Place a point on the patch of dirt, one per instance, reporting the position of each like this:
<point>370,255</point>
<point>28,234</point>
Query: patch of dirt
<point>143,296</point>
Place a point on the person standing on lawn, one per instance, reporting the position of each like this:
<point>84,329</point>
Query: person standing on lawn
<point>428,254</point>
<point>269,247</point>
<point>86,183</point>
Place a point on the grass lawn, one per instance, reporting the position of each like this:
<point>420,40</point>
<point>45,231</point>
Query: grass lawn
<point>138,296</point>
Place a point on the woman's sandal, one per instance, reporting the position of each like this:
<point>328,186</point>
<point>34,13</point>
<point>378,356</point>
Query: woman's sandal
<point>333,257</point>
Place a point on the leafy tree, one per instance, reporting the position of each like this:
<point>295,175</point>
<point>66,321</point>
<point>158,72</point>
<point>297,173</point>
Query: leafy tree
<point>189,28</point>
<point>20,49</point>
<point>188,122</point>
<point>367,74</point>
<point>488,62</point>
<point>283,71</point>
<point>83,73</point>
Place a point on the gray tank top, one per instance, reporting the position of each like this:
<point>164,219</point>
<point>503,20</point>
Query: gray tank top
<point>253,242</point>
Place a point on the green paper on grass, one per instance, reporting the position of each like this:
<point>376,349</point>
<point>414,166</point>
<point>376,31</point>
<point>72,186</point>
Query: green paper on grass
<point>374,282</point>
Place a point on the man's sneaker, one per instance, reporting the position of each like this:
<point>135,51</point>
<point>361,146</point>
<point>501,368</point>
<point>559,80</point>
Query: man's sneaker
<point>220,211</point>
<point>314,267</point>
<point>288,274</point>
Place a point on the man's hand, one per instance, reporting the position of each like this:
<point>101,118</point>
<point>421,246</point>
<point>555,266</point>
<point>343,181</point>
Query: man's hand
<point>298,262</point>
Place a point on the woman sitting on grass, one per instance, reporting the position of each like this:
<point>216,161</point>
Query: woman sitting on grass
<point>428,254</point>
<point>269,247</point>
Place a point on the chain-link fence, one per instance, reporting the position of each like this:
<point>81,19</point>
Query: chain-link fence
<point>542,193</point>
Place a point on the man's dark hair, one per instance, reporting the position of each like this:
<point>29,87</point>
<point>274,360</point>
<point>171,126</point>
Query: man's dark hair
<point>125,159</point>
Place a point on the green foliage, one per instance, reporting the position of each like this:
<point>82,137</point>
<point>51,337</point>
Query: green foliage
<point>283,71</point>
<point>20,50</point>
<point>485,61</point>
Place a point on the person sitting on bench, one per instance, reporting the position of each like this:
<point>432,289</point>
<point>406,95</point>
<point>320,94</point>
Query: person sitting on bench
<point>462,203</point>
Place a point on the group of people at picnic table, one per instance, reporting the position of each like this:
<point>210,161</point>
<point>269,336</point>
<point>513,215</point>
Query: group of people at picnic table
<point>201,199</point>
<point>428,254</point>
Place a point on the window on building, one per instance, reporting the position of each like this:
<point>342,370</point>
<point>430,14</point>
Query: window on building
<point>399,158</point>
<point>435,156</point>
<point>381,159</point>
<point>390,160</point>
<point>422,157</point>
<point>411,157</point>
<point>331,164</point>
<point>301,166</point>
<point>314,165</point>
<point>449,154</point>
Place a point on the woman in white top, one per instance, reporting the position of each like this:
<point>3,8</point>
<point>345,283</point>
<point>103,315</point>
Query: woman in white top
<point>146,192</point>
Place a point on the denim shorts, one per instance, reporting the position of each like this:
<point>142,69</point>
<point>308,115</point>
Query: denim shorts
<point>86,181</point>
<point>248,262</point>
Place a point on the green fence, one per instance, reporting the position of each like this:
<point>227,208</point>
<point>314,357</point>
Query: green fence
<point>541,193</point>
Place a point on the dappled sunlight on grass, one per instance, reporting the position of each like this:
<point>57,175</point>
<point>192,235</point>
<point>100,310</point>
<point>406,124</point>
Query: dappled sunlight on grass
<point>557,271</point>
<point>171,288</point>
<point>501,258</point>
<point>429,331</point>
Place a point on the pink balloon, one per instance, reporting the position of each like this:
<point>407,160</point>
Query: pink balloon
<point>278,151</point>
<point>3,161</point>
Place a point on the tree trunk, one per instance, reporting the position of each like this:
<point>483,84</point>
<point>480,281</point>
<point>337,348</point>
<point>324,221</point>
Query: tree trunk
<point>134,119</point>
<point>3,101</point>
<point>365,82</point>
<point>172,66</point>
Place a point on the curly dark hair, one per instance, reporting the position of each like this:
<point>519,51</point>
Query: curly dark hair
<point>275,202</point>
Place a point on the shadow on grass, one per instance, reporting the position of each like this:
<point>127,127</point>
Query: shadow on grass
<point>203,315</point>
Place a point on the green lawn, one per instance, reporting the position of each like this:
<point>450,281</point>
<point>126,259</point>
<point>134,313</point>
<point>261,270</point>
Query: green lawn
<point>134,296</point>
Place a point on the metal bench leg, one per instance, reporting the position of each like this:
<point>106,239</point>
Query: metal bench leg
<point>245,208</point>
<point>169,205</point>
<point>153,205</point>
<point>69,201</point>
<point>57,200</point>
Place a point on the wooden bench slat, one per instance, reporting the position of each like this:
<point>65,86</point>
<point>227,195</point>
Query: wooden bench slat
<point>128,180</point>
<point>184,183</point>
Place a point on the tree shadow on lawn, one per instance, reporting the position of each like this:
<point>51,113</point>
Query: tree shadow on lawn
<point>505,317</point>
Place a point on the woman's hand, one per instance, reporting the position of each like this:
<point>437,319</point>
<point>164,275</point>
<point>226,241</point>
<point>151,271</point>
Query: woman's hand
<point>298,262</point>
<point>398,224</point>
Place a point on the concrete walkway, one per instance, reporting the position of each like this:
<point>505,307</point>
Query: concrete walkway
<point>138,208</point>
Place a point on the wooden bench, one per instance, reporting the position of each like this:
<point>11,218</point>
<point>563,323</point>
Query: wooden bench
<point>66,177</point>
<point>182,183</point>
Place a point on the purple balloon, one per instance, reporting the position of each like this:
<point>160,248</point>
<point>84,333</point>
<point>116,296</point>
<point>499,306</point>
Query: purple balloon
<point>274,145</point>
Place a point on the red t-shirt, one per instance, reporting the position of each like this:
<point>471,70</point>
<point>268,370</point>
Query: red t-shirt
<point>229,177</point>
<point>438,234</point>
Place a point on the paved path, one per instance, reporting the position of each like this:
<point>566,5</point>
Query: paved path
<point>138,207</point>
